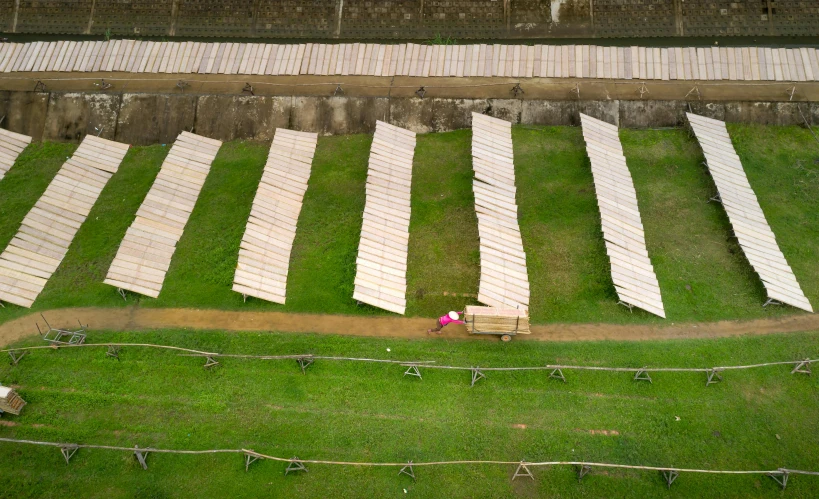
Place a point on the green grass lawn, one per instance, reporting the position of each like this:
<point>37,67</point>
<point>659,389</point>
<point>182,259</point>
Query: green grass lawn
<point>702,272</point>
<point>26,182</point>
<point>702,269</point>
<point>443,260</point>
<point>754,419</point>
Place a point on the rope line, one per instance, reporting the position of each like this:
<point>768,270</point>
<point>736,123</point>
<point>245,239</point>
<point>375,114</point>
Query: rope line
<point>252,453</point>
<point>200,353</point>
<point>146,345</point>
<point>428,364</point>
<point>619,369</point>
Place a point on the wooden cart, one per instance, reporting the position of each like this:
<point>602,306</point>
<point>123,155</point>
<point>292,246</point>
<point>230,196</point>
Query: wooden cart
<point>505,322</point>
<point>10,402</point>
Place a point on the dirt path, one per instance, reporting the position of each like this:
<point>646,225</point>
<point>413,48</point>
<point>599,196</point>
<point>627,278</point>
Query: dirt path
<point>132,319</point>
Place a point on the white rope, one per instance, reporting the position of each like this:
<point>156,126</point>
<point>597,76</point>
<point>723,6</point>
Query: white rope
<point>429,364</point>
<point>253,453</point>
<point>199,353</point>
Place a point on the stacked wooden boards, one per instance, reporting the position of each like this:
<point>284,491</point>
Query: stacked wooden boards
<point>496,320</point>
<point>10,401</point>
<point>417,60</point>
<point>146,250</point>
<point>504,279</point>
<point>747,219</point>
<point>264,254</point>
<point>46,233</point>
<point>381,266</point>
<point>631,269</point>
<point>11,145</point>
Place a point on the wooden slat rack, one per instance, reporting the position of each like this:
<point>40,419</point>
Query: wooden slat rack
<point>631,269</point>
<point>46,233</point>
<point>11,145</point>
<point>798,64</point>
<point>10,401</point>
<point>504,279</point>
<point>751,229</point>
<point>381,265</point>
<point>264,254</point>
<point>145,253</point>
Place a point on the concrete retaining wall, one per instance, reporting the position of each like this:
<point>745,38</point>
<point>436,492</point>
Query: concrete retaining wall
<point>143,119</point>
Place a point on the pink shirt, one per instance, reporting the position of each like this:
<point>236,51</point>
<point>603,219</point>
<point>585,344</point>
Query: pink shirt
<point>446,320</point>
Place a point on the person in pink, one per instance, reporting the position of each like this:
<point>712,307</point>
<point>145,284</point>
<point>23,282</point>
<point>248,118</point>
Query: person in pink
<point>450,318</point>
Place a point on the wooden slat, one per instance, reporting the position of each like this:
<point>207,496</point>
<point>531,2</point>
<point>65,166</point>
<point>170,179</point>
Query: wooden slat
<point>48,229</point>
<point>622,228</point>
<point>163,215</point>
<point>750,226</point>
<point>382,254</point>
<point>417,60</point>
<point>504,278</point>
<point>265,249</point>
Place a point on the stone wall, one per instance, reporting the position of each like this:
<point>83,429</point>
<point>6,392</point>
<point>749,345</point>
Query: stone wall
<point>143,119</point>
<point>412,19</point>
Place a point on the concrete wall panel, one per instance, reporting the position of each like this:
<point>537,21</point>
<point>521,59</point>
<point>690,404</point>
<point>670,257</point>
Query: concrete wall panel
<point>413,114</point>
<point>228,117</point>
<point>146,119</point>
<point>506,109</point>
<point>549,113</point>
<point>645,113</point>
<point>26,113</point>
<point>143,119</point>
<point>452,114</point>
<point>71,116</point>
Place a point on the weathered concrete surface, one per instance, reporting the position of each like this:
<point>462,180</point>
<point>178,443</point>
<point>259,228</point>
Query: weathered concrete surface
<point>25,112</point>
<point>413,114</point>
<point>143,119</point>
<point>452,114</point>
<point>766,113</point>
<point>146,119</point>
<point>714,110</point>
<point>71,116</point>
<point>567,113</point>
<point>604,110</point>
<point>440,114</point>
<point>338,115</point>
<point>541,112</point>
<point>642,114</point>
<point>228,117</point>
<point>812,114</point>
<point>506,109</point>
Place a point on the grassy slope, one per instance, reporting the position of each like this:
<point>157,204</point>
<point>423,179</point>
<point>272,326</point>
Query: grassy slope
<point>702,274</point>
<point>444,260</point>
<point>782,163</point>
<point>759,419</point>
<point>322,268</point>
<point>560,226</point>
<point>201,274</point>
<point>78,280</point>
<point>26,182</point>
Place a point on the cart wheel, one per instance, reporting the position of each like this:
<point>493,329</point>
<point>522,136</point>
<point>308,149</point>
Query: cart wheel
<point>506,337</point>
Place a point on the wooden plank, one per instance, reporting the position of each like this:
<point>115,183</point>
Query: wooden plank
<point>745,214</point>
<point>620,216</point>
<point>270,231</point>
